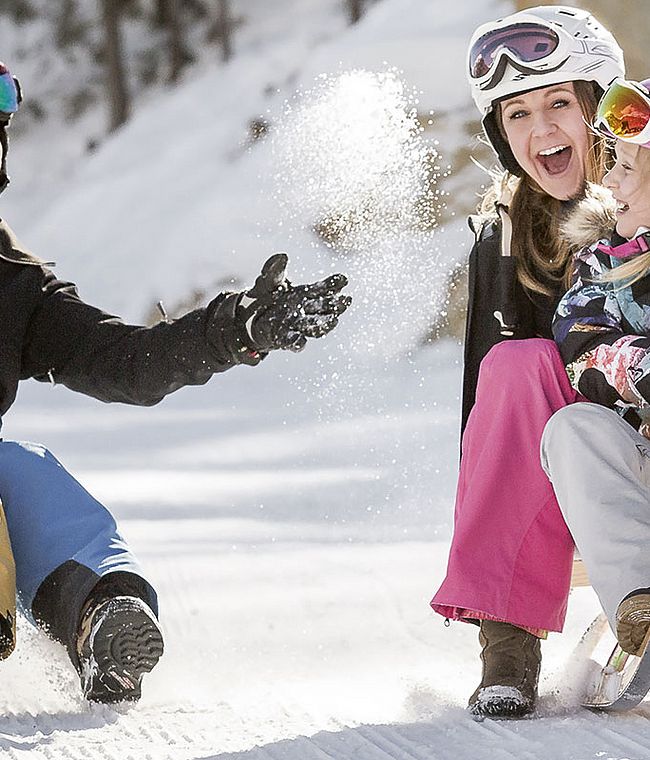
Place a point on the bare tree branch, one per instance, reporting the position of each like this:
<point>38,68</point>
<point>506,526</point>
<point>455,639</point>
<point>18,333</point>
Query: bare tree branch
<point>177,55</point>
<point>116,81</point>
<point>221,29</point>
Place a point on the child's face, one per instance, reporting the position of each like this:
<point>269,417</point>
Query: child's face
<point>629,181</point>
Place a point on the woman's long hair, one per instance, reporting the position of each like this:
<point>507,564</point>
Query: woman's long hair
<point>543,258</point>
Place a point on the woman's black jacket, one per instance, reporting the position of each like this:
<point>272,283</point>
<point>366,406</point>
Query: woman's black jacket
<point>493,287</point>
<point>47,332</point>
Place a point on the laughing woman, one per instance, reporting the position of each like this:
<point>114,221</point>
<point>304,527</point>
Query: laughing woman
<point>536,77</point>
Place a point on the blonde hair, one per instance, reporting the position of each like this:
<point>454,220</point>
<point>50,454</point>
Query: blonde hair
<point>543,258</point>
<point>636,269</point>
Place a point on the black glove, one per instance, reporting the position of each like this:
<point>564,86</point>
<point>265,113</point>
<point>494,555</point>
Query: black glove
<point>276,314</point>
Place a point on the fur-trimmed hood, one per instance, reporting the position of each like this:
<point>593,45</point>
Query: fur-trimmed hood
<point>592,218</point>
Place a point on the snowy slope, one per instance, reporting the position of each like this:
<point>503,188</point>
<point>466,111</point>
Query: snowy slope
<point>294,544</point>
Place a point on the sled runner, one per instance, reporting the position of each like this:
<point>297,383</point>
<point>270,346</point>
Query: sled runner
<point>623,680</point>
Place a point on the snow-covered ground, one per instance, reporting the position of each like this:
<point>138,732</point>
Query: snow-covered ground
<point>294,517</point>
<point>295,539</point>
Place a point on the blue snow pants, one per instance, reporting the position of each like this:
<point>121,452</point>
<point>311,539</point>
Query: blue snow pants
<point>64,541</point>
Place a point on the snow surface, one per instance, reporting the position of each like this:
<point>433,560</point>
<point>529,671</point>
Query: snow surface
<point>294,517</point>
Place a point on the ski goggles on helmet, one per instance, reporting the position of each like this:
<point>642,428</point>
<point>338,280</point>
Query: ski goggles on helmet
<point>624,113</point>
<point>529,46</point>
<point>10,96</point>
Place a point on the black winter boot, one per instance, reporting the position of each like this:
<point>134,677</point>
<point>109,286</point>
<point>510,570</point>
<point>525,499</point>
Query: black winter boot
<point>119,641</point>
<point>511,662</point>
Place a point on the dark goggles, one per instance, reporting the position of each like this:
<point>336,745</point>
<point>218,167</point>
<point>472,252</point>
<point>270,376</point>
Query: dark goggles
<point>624,113</point>
<point>9,93</point>
<point>524,43</point>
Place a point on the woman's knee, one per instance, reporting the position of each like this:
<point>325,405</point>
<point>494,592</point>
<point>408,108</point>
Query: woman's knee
<point>515,362</point>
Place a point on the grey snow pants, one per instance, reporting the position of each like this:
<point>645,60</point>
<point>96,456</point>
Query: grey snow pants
<point>600,470</point>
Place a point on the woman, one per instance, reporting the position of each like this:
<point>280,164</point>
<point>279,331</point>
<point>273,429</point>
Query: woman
<point>598,458</point>
<point>536,76</point>
<point>74,572</point>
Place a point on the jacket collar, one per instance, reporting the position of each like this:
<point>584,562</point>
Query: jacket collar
<point>621,248</point>
<point>590,220</point>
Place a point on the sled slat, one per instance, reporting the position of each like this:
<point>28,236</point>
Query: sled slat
<point>579,575</point>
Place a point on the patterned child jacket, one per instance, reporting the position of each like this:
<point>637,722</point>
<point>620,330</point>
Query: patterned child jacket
<point>603,328</point>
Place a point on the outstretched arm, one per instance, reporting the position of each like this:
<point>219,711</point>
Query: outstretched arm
<point>87,350</point>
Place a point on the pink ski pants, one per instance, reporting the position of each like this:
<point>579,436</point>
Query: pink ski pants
<point>511,553</point>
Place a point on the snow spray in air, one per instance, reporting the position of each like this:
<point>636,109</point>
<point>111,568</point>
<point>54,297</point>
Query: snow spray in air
<point>353,165</point>
<point>357,180</point>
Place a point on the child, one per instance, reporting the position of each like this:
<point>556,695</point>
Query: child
<point>598,463</point>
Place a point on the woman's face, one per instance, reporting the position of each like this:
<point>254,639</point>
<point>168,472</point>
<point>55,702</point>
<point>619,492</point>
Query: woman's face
<point>548,136</point>
<point>629,181</point>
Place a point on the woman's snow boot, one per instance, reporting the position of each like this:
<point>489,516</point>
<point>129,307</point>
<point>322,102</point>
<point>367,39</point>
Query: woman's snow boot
<point>511,661</point>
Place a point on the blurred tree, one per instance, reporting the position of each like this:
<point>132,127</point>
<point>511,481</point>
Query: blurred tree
<point>20,10</point>
<point>355,10</point>
<point>221,29</point>
<point>168,17</point>
<point>69,29</point>
<point>115,73</point>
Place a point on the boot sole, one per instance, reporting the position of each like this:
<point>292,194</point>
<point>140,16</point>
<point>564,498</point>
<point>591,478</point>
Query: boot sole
<point>501,702</point>
<point>126,644</point>
<point>506,710</point>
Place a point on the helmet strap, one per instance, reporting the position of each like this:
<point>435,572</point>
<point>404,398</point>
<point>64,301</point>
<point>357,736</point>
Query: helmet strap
<point>500,144</point>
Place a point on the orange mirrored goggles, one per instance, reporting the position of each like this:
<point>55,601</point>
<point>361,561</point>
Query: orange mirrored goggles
<point>624,112</point>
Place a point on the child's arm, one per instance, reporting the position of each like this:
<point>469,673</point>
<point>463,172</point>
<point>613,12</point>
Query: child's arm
<point>605,363</point>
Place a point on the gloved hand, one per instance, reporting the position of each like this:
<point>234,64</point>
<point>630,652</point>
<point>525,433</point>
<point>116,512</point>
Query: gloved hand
<point>276,314</point>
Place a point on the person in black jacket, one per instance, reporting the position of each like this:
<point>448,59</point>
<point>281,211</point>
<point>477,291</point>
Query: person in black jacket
<point>75,574</point>
<point>536,77</point>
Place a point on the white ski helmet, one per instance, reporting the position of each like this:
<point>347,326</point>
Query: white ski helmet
<point>534,48</point>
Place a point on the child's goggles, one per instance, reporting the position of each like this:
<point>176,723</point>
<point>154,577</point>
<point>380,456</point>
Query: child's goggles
<point>9,93</point>
<point>624,113</point>
<point>529,46</point>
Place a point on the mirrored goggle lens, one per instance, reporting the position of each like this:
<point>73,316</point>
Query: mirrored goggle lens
<point>8,92</point>
<point>526,42</point>
<point>624,110</point>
